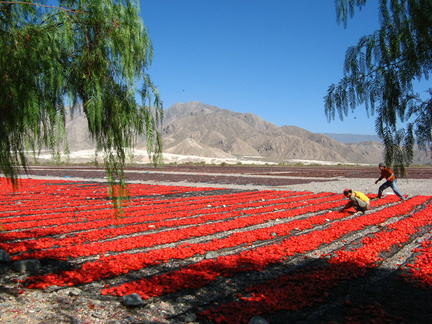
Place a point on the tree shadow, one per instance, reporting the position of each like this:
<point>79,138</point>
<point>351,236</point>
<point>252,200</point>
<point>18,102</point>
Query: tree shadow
<point>315,292</point>
<point>389,299</point>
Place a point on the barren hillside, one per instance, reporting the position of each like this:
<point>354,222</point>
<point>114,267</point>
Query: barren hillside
<point>200,130</point>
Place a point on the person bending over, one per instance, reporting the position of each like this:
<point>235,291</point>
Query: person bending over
<point>358,200</point>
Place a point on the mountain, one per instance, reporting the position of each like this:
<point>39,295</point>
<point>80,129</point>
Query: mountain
<point>353,138</point>
<point>204,130</point>
<point>77,132</point>
<point>195,129</point>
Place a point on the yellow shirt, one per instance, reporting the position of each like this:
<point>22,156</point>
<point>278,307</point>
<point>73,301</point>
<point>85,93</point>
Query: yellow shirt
<point>361,196</point>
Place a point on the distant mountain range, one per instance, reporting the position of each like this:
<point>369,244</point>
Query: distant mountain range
<point>353,138</point>
<point>201,130</point>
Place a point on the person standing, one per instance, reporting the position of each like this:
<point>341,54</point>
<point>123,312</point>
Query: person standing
<point>388,174</point>
<point>357,199</point>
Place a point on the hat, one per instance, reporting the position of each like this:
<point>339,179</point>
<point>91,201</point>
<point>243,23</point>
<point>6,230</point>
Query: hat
<point>346,191</point>
<point>381,165</point>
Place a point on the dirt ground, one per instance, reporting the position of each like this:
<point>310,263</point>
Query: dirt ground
<point>380,297</point>
<point>231,174</point>
<point>416,181</point>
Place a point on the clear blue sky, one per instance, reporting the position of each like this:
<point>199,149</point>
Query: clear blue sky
<point>272,58</point>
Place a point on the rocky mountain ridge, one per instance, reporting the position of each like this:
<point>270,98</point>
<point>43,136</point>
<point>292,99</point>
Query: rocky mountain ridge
<point>353,138</point>
<point>200,130</point>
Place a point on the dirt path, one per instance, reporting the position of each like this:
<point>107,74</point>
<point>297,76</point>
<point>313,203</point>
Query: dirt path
<point>417,181</point>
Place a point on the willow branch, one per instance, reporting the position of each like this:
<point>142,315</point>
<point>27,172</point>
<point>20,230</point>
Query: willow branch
<point>41,5</point>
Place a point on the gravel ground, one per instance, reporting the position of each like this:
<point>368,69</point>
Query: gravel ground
<point>410,187</point>
<point>316,179</point>
<point>84,304</point>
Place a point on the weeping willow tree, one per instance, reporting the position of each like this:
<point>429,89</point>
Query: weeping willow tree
<point>382,72</point>
<point>57,55</point>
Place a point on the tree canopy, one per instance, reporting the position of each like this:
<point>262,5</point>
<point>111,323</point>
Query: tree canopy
<point>58,55</point>
<point>383,72</point>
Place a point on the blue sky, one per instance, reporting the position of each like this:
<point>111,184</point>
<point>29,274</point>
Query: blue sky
<point>272,58</point>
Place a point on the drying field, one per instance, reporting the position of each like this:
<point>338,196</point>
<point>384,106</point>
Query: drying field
<point>216,245</point>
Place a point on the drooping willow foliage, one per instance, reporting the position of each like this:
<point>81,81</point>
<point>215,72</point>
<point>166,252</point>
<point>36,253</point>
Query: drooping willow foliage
<point>382,72</point>
<point>87,53</point>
